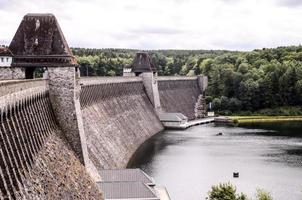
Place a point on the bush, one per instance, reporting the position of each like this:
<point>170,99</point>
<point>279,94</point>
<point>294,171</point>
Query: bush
<point>225,191</point>
<point>216,104</point>
<point>208,99</point>
<point>235,104</point>
<point>224,103</point>
<point>281,111</point>
<point>263,195</point>
<point>278,111</point>
<point>235,121</point>
<point>225,112</point>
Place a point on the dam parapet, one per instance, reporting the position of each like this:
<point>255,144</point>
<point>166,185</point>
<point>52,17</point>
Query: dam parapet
<point>12,91</point>
<point>105,79</point>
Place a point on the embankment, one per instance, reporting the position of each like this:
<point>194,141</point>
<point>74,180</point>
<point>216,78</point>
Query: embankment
<point>36,162</point>
<point>263,119</point>
<point>179,94</point>
<point>118,117</point>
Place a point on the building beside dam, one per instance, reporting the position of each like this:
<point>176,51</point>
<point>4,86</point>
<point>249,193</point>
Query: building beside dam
<point>57,134</point>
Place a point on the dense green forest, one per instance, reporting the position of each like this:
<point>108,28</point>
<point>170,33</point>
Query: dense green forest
<point>266,78</point>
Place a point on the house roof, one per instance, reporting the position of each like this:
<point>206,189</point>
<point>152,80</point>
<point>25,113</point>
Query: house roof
<point>39,41</point>
<point>142,63</point>
<point>5,52</point>
<point>127,190</point>
<point>122,175</point>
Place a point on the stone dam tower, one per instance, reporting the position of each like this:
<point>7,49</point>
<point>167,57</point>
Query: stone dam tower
<point>59,132</point>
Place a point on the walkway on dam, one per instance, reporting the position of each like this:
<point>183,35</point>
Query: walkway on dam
<point>191,123</point>
<point>199,121</point>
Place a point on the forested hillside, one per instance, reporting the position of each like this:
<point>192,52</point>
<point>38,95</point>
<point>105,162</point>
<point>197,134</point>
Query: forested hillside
<point>265,78</point>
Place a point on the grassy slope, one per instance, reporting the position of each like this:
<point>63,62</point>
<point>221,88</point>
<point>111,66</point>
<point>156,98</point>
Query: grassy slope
<point>256,119</point>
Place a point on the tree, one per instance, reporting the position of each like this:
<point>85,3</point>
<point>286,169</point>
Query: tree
<point>243,68</point>
<point>234,104</point>
<point>225,191</point>
<point>263,78</point>
<point>216,104</point>
<point>263,195</point>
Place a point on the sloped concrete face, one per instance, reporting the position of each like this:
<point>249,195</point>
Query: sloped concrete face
<point>179,95</point>
<point>118,118</point>
<point>58,174</point>
<point>36,161</point>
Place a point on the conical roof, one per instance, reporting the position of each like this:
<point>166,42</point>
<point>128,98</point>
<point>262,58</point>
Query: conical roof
<point>142,63</point>
<point>39,41</point>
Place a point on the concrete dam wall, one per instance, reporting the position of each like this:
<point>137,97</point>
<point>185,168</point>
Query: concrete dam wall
<point>57,134</point>
<point>118,117</point>
<point>179,94</point>
<point>36,162</point>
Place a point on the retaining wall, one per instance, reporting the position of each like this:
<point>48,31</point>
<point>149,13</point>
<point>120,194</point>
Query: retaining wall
<point>179,94</point>
<point>35,160</point>
<point>11,73</point>
<point>118,117</point>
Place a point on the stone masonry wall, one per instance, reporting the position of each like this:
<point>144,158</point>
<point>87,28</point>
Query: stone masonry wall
<point>64,92</point>
<point>179,94</point>
<point>36,162</point>
<point>11,73</point>
<point>118,117</point>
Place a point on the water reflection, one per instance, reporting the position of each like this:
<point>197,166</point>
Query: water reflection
<point>189,162</point>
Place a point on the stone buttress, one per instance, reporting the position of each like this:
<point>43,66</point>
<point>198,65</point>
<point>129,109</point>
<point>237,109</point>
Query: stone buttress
<point>39,42</point>
<point>143,66</point>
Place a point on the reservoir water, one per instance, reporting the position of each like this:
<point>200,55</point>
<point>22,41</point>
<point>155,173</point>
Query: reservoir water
<point>189,162</point>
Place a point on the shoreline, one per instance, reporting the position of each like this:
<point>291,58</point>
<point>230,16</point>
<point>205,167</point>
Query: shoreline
<point>263,119</point>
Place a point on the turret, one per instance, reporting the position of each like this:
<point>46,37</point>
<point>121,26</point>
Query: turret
<point>143,66</point>
<point>39,42</point>
<point>142,63</point>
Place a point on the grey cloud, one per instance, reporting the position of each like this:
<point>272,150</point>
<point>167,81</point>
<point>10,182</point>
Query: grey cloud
<point>130,7</point>
<point>180,1</point>
<point>289,3</point>
<point>156,30</point>
<point>4,4</point>
<point>124,35</point>
<point>230,1</point>
<point>4,42</point>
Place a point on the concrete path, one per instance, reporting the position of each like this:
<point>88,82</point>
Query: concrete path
<point>192,123</point>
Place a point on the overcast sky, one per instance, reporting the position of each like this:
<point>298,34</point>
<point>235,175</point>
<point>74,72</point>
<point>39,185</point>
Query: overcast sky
<point>165,24</point>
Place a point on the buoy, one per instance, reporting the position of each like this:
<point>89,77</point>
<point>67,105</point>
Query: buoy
<point>236,174</point>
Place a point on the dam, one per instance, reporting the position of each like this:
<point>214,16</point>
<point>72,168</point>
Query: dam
<point>59,132</point>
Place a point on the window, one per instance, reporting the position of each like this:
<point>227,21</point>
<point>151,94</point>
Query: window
<point>7,59</point>
<point>2,59</point>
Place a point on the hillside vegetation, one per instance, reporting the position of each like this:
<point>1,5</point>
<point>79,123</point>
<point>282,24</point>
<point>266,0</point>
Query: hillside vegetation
<point>238,81</point>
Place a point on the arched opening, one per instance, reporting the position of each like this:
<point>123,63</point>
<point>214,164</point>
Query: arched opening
<point>29,72</point>
<point>34,72</point>
<point>137,73</point>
